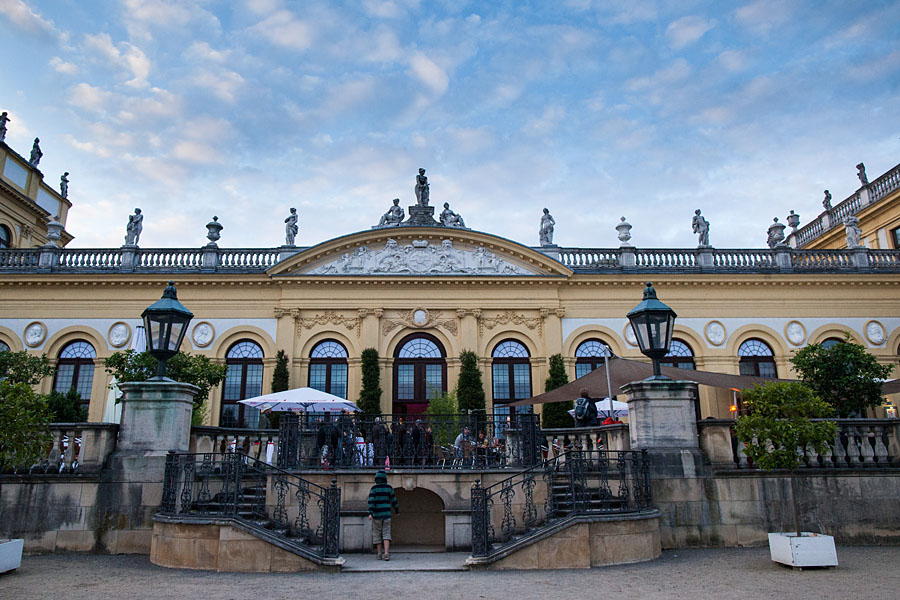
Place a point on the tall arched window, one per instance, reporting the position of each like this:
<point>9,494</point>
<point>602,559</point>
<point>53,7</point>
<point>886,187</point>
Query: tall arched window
<point>757,359</point>
<point>3,346</point>
<point>510,375</point>
<point>75,369</point>
<point>5,237</point>
<point>420,373</point>
<point>832,341</point>
<point>243,379</point>
<point>328,368</point>
<point>680,356</point>
<point>589,355</point>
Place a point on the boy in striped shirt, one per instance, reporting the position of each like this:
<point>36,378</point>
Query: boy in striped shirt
<point>381,501</point>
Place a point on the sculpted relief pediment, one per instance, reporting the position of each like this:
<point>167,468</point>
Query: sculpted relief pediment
<point>419,257</point>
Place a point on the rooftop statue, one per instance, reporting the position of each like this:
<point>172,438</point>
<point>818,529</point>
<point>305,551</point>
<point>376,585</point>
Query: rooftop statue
<point>135,226</point>
<point>861,173</point>
<point>394,215</point>
<point>827,201</point>
<point>291,228</point>
<point>4,119</point>
<point>450,218</point>
<point>546,231</point>
<point>36,153</point>
<point>854,233</point>
<point>423,192</point>
<point>701,228</point>
<point>775,234</point>
<point>64,185</point>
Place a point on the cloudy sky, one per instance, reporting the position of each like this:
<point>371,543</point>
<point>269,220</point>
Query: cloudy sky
<point>594,109</point>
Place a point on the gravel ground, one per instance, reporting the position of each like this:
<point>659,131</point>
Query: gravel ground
<point>865,572</point>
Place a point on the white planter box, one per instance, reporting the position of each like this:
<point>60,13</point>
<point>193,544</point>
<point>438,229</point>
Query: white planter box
<point>808,550</point>
<point>10,554</point>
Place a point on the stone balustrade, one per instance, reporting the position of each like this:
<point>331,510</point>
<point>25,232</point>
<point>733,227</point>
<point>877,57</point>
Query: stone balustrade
<point>605,437</point>
<point>859,443</point>
<point>75,448</point>
<point>261,444</point>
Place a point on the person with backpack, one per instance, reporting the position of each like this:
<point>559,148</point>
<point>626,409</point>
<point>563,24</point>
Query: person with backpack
<point>381,500</point>
<point>585,410</point>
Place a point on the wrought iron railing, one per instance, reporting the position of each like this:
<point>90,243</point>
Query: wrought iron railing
<point>575,483</point>
<point>452,441</point>
<point>858,443</point>
<point>236,486</point>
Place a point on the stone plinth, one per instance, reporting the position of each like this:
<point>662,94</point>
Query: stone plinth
<point>421,216</point>
<point>156,417</point>
<point>661,414</point>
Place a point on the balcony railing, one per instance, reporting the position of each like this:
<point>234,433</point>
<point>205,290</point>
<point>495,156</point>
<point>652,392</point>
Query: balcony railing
<point>74,448</point>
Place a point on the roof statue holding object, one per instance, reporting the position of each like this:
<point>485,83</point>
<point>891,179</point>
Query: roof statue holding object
<point>423,191</point>
<point>827,201</point>
<point>291,228</point>
<point>134,228</point>
<point>4,119</point>
<point>64,185</point>
<point>701,228</point>
<point>861,173</point>
<point>853,232</point>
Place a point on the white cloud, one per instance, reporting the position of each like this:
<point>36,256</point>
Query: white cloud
<point>61,66</point>
<point>546,123</point>
<point>196,152</point>
<point>158,12</point>
<point>733,60</point>
<point>21,15</point>
<point>222,83</point>
<point>89,97</point>
<point>102,45</point>
<point>385,9</point>
<point>90,147</point>
<point>687,30</point>
<point>262,7</point>
<point>763,15</point>
<point>677,71</point>
<point>204,52</point>
<point>139,64</point>
<point>125,56</point>
<point>284,29</point>
<point>429,73</point>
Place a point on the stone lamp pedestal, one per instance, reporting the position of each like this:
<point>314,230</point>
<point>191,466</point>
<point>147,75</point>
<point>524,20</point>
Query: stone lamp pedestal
<point>156,417</point>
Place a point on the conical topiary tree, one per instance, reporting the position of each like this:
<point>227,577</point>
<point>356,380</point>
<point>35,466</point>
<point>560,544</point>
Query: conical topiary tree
<point>469,389</point>
<point>370,394</point>
<point>281,379</point>
<point>556,414</point>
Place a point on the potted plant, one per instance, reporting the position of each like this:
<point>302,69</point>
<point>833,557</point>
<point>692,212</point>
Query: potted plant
<point>775,432</point>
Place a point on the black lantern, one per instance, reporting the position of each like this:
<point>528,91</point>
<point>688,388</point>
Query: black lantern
<point>165,322</point>
<point>653,322</point>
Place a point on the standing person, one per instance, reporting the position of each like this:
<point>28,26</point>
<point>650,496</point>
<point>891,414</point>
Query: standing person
<point>585,410</point>
<point>381,501</point>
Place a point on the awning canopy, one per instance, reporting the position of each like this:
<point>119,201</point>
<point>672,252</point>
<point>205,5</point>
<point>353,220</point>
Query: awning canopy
<point>624,370</point>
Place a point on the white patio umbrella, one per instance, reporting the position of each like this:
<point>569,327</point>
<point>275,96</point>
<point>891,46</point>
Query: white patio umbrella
<point>303,399</point>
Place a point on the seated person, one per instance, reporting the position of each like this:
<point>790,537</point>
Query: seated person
<point>463,442</point>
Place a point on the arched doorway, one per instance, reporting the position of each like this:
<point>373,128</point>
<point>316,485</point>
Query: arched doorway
<point>420,522</point>
<point>420,373</point>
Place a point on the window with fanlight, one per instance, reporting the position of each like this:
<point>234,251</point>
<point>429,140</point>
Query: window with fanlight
<point>5,237</point>
<point>75,370</point>
<point>243,379</point>
<point>830,342</point>
<point>757,358</point>
<point>420,373</point>
<point>680,356</point>
<point>589,356</point>
<point>328,368</point>
<point>510,375</point>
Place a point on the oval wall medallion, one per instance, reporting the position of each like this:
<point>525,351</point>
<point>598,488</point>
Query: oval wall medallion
<point>34,334</point>
<point>715,333</point>
<point>629,335</point>
<point>875,332</point>
<point>795,332</point>
<point>203,334</point>
<point>119,334</point>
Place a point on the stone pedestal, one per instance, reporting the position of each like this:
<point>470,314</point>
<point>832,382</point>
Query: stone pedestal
<point>156,417</point>
<point>705,256</point>
<point>661,414</point>
<point>421,216</point>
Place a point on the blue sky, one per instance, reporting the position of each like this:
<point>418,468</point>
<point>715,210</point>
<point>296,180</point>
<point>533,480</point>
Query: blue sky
<point>594,109</point>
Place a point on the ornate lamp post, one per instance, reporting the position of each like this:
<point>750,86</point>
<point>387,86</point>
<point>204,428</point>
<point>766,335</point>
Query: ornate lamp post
<point>653,322</point>
<point>165,322</point>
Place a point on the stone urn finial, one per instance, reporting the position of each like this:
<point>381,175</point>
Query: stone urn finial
<point>624,229</point>
<point>793,220</point>
<point>775,233</point>
<point>214,231</point>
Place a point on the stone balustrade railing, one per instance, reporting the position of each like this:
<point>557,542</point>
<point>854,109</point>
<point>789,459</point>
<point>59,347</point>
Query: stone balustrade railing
<point>580,260</point>
<point>858,200</point>
<point>75,448</point>
<point>859,443</point>
<point>602,437</point>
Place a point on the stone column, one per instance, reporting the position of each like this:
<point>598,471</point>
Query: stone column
<point>661,414</point>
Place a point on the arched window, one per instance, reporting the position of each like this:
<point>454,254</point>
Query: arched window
<point>243,379</point>
<point>4,347</point>
<point>328,368</point>
<point>757,359</point>
<point>510,375</point>
<point>75,369</point>
<point>829,342</point>
<point>680,356</point>
<point>420,373</point>
<point>589,355</point>
<point>5,237</point>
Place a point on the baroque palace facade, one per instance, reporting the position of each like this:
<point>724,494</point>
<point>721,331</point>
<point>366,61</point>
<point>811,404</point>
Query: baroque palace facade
<point>420,292</point>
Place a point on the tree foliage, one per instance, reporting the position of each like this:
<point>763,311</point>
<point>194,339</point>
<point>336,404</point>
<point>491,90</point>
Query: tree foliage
<point>24,422</point>
<point>556,414</point>
<point>21,367</point>
<point>370,394</point>
<point>281,379</point>
<point>469,389</point>
<point>844,375</point>
<point>446,428</point>
<point>130,365</point>
<point>66,408</point>
<point>778,428</point>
